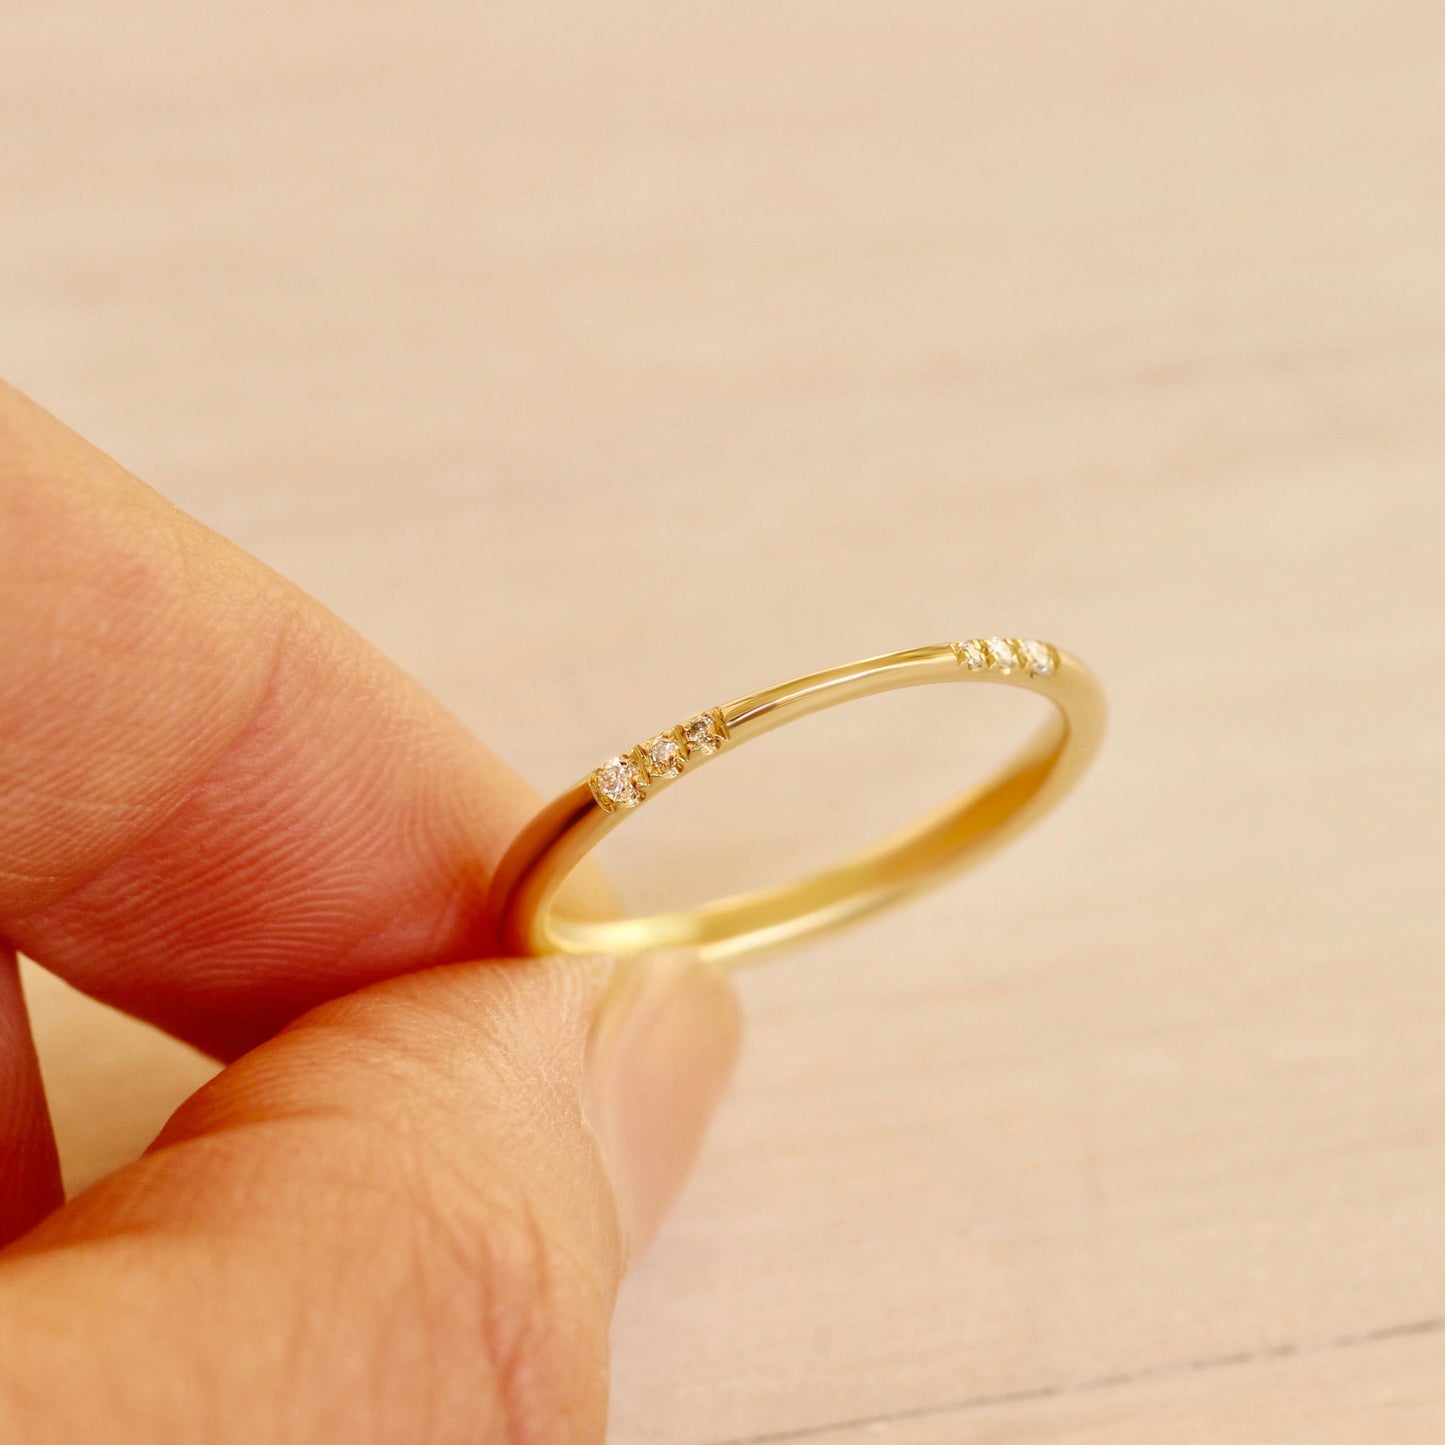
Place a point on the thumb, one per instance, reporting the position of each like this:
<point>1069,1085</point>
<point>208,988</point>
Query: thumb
<point>392,1222</point>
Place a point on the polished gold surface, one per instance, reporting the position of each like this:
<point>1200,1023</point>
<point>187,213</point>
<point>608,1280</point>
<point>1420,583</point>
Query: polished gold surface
<point>529,895</point>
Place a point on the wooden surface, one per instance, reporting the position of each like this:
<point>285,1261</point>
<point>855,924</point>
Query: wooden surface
<point>601,362</point>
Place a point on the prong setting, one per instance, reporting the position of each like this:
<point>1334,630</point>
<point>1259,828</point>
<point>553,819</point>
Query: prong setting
<point>1007,655</point>
<point>620,782</point>
<point>623,782</point>
<point>1001,654</point>
<point>1040,659</point>
<point>664,755</point>
<point>704,733</point>
<point>972,654</point>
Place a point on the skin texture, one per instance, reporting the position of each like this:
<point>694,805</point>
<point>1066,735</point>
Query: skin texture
<point>402,1212</point>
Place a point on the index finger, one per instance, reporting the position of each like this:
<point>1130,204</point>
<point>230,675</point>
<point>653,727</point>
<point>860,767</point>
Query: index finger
<point>218,805</point>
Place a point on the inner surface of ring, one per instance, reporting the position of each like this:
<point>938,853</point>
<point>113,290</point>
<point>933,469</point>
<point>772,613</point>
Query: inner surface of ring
<point>950,837</point>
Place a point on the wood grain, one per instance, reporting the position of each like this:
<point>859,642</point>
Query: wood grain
<point>602,363</point>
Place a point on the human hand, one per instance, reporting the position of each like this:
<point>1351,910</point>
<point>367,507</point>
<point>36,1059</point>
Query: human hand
<point>403,1214</point>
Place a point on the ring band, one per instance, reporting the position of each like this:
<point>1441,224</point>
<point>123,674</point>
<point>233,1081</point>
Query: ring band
<point>525,889</point>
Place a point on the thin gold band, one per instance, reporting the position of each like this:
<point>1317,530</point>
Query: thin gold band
<point>961,832</point>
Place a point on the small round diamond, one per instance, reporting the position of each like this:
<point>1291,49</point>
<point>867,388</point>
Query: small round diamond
<point>1001,654</point>
<point>702,733</point>
<point>663,756</point>
<point>973,655</point>
<point>619,783</point>
<point>1038,657</point>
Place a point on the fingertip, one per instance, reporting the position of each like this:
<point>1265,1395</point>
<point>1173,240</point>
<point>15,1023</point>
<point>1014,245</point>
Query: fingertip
<point>663,1047</point>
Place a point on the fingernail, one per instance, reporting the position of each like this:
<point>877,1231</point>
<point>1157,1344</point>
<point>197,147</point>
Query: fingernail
<point>663,1044</point>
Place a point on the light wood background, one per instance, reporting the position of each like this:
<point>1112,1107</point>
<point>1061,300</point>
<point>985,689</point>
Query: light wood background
<point>603,361</point>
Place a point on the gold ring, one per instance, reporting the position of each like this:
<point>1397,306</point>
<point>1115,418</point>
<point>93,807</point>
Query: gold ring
<point>526,896</point>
